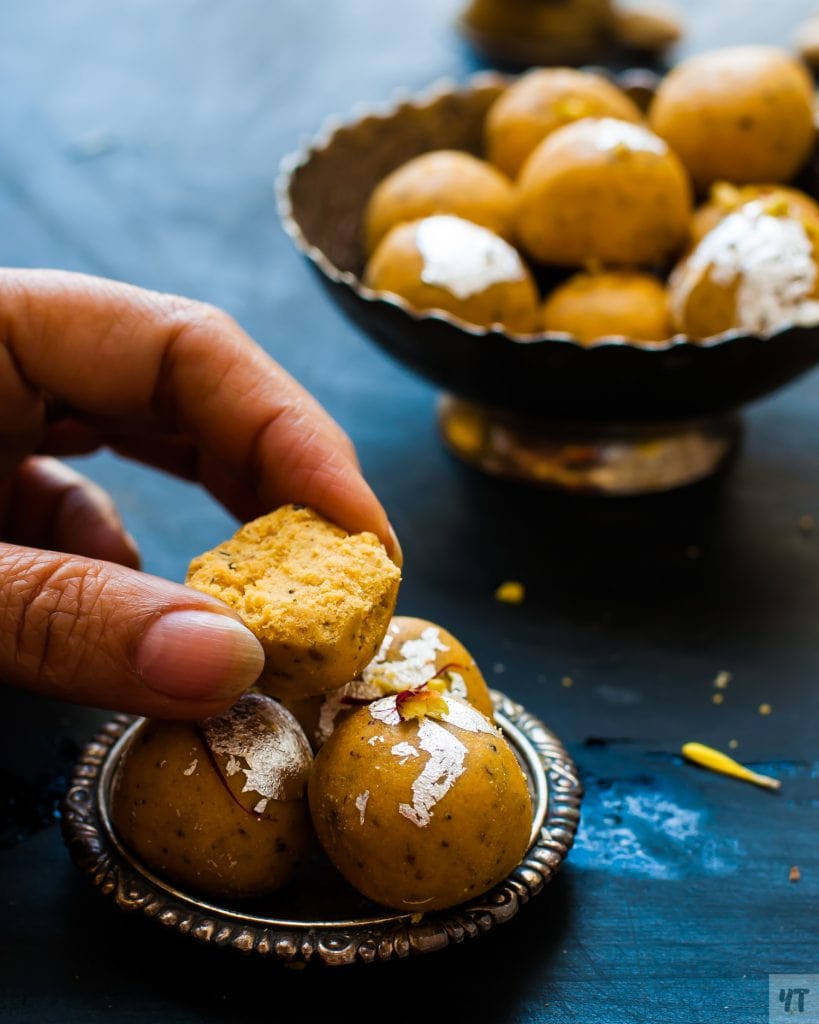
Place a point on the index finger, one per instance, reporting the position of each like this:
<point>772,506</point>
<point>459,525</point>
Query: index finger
<point>147,359</point>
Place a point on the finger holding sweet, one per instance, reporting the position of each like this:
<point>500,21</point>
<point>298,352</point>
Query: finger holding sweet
<point>93,632</point>
<point>84,363</point>
<point>127,366</point>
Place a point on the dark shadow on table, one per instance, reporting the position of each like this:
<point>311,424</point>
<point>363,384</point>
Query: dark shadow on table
<point>472,980</point>
<point>699,554</point>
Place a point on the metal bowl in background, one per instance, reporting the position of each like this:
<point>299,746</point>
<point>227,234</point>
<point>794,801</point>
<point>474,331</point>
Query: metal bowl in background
<point>524,405</point>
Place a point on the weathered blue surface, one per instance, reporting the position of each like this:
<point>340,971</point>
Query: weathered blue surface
<point>140,141</point>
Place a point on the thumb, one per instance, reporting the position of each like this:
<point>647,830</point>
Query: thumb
<point>93,632</point>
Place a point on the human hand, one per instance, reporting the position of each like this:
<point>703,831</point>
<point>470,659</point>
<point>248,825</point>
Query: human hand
<point>85,363</point>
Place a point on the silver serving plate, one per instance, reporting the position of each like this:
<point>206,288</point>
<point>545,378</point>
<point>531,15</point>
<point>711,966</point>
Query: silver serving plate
<point>321,928</point>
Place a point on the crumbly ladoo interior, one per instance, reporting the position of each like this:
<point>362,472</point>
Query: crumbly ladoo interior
<point>318,598</point>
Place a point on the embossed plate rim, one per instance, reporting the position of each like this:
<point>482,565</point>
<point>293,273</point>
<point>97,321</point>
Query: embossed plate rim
<point>96,850</point>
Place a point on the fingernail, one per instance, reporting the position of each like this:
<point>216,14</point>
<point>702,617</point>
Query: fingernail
<point>397,553</point>
<point>198,655</point>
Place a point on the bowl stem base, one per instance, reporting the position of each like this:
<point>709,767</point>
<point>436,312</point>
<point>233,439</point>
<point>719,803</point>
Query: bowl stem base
<point>594,458</point>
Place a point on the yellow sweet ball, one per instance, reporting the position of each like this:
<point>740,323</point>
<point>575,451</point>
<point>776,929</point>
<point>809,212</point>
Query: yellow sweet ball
<point>415,652</point>
<point>602,190</point>
<point>571,28</point>
<point>543,100</point>
<point>609,304</point>
<point>317,629</point>
<point>755,271</point>
<point>442,181</point>
<point>218,806</point>
<point>307,712</point>
<point>450,264</point>
<point>741,113</point>
<point>419,802</point>
<point>725,198</point>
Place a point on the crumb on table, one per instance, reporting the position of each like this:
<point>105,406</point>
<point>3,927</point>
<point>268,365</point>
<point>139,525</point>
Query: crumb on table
<point>511,592</point>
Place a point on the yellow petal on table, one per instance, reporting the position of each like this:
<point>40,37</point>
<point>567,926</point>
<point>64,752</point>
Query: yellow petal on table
<point>707,757</point>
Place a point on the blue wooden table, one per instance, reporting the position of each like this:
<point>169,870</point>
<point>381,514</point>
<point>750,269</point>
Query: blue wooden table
<point>140,142</point>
